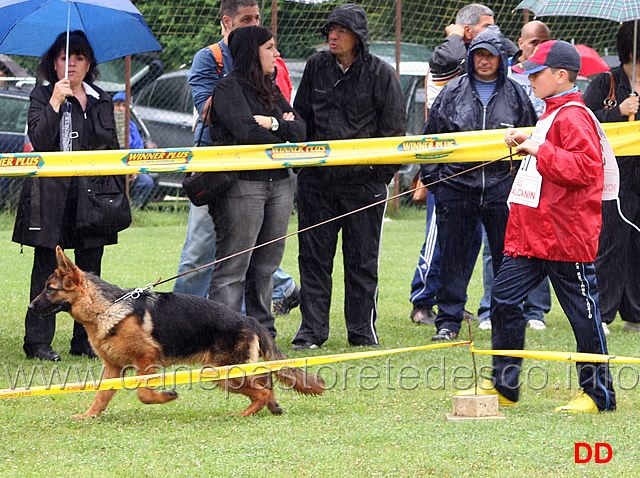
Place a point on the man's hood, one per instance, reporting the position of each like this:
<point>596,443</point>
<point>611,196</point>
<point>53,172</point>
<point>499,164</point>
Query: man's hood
<point>492,37</point>
<point>352,17</point>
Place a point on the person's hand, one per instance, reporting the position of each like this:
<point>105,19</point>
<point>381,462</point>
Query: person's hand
<point>527,147</point>
<point>61,91</point>
<point>453,28</point>
<point>205,109</point>
<point>513,137</point>
<point>262,120</point>
<point>288,116</point>
<point>629,106</point>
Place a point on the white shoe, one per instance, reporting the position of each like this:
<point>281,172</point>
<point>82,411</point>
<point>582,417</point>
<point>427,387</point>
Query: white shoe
<point>536,324</point>
<point>485,325</point>
<point>605,329</point>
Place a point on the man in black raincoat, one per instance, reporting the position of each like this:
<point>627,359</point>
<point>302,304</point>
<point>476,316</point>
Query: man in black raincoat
<point>484,98</point>
<point>345,93</point>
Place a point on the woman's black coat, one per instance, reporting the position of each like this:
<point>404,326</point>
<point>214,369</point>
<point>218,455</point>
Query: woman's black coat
<point>43,209</point>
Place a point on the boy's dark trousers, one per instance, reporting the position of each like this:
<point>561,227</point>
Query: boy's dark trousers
<point>577,291</point>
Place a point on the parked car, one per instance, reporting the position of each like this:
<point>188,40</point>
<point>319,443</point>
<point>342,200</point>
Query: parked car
<point>166,107</point>
<point>14,107</point>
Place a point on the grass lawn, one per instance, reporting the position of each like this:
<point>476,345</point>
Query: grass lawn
<point>379,417</point>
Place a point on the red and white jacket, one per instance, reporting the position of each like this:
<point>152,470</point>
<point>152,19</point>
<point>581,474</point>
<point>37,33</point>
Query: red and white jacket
<point>566,224</point>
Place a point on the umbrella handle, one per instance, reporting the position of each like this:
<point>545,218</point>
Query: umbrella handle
<point>632,117</point>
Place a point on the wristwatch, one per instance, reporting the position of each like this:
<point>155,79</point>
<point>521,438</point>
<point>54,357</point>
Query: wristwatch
<point>274,124</point>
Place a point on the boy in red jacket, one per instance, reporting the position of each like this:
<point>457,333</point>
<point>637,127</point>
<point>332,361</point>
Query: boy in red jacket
<point>553,228</point>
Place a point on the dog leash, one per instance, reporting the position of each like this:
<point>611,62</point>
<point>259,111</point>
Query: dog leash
<point>138,291</point>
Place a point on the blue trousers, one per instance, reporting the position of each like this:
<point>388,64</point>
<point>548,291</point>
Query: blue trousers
<point>458,212</point>
<point>577,291</point>
<point>426,279</point>
<point>537,304</point>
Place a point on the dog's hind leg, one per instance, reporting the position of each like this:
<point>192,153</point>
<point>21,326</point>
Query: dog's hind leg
<point>103,397</point>
<point>259,390</point>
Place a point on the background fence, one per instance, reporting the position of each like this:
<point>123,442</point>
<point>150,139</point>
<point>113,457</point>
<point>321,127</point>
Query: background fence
<point>163,104</point>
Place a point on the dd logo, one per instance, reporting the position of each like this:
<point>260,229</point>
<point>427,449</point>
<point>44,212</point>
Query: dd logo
<point>598,457</point>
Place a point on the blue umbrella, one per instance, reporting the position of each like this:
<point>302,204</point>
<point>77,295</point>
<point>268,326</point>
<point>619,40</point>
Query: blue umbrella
<point>114,28</point>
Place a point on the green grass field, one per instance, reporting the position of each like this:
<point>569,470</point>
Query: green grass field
<point>379,417</point>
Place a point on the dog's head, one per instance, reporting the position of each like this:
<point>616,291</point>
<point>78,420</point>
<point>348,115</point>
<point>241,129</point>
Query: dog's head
<point>61,289</point>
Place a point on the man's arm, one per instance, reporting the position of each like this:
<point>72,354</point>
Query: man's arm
<point>202,78</point>
<point>446,58</point>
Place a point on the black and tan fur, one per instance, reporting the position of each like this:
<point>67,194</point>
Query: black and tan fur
<point>160,329</point>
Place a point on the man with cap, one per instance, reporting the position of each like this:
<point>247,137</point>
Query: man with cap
<point>345,93</point>
<point>554,224</point>
<point>484,98</point>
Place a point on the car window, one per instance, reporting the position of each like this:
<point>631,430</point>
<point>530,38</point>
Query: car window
<point>168,94</point>
<point>13,114</point>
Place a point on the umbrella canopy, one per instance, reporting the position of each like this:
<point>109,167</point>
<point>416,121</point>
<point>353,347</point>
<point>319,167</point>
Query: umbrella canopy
<point>592,63</point>
<point>616,10</point>
<point>114,28</point>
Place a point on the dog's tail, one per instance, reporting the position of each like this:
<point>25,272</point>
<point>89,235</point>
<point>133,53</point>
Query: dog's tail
<point>293,377</point>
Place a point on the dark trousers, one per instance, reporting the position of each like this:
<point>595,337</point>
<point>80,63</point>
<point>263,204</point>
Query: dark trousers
<point>576,288</point>
<point>458,212</point>
<point>319,201</point>
<point>618,261</point>
<point>41,330</point>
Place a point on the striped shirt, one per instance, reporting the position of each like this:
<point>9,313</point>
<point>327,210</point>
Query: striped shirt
<point>485,89</point>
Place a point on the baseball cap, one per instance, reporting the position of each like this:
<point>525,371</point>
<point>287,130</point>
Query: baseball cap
<point>487,46</point>
<point>550,54</point>
<point>120,96</point>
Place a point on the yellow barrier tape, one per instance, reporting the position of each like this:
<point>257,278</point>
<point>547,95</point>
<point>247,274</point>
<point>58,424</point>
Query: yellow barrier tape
<point>558,356</point>
<point>450,147</point>
<point>208,373</point>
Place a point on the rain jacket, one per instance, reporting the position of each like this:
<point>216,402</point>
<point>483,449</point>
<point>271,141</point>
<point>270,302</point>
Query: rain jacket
<point>459,108</point>
<point>42,211</point>
<point>566,224</point>
<point>366,101</point>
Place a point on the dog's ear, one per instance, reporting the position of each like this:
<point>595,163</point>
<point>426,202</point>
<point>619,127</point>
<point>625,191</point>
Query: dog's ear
<point>65,266</point>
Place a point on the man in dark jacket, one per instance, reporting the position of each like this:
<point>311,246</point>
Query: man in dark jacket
<point>484,98</point>
<point>345,93</point>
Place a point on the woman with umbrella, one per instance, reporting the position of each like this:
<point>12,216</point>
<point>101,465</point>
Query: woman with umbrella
<point>48,212</point>
<point>247,108</point>
<point>610,97</point>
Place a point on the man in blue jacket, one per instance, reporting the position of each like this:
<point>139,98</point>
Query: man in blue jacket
<point>484,98</point>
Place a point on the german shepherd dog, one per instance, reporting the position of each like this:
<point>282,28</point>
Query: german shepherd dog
<point>160,329</point>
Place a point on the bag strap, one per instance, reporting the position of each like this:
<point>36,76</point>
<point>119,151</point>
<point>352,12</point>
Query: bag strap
<point>217,55</point>
<point>610,101</point>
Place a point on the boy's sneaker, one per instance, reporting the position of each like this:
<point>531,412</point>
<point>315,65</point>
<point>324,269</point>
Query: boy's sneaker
<point>581,403</point>
<point>485,325</point>
<point>605,329</point>
<point>486,388</point>
<point>536,324</point>
<point>630,326</point>
<point>423,315</point>
<point>284,306</point>
<point>444,334</point>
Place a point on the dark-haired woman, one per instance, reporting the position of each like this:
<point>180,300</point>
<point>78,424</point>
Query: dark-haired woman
<point>247,108</point>
<point>618,259</point>
<point>46,213</point>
